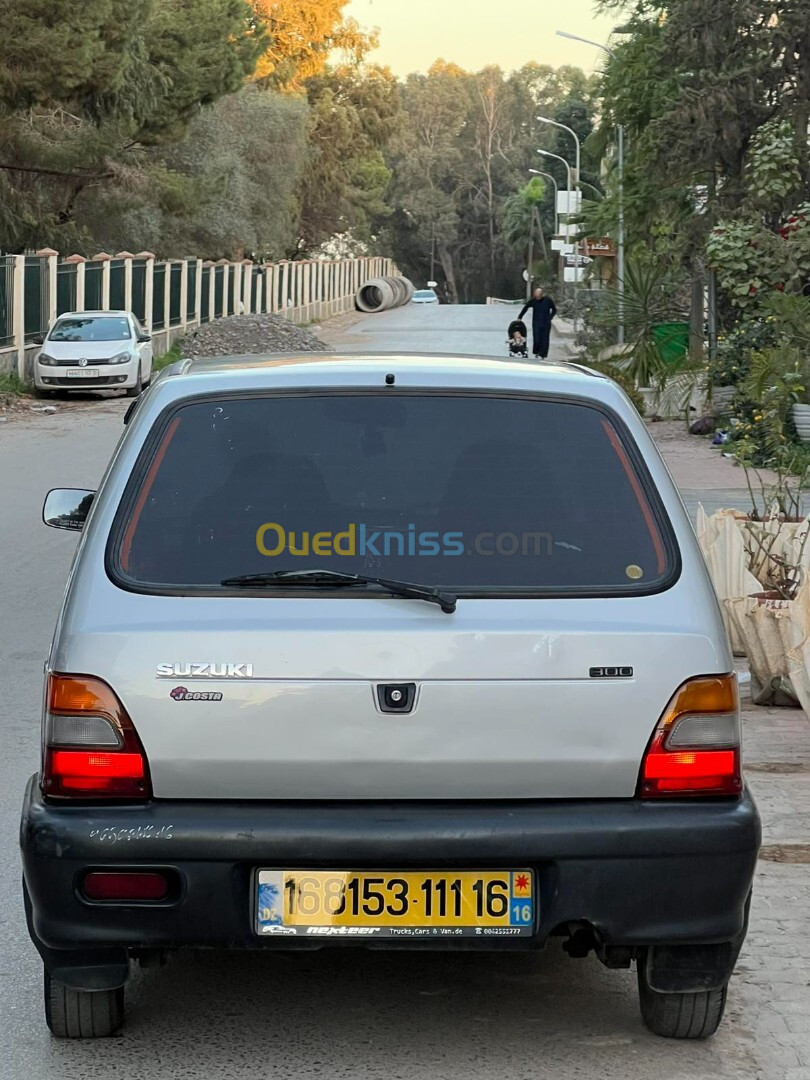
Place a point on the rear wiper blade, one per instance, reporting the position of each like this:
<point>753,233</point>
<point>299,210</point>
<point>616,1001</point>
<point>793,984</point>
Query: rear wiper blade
<point>446,601</point>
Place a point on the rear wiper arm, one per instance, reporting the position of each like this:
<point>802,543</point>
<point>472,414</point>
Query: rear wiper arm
<point>446,601</point>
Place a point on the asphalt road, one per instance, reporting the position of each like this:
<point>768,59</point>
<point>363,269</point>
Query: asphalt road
<point>473,330</point>
<point>331,1014</point>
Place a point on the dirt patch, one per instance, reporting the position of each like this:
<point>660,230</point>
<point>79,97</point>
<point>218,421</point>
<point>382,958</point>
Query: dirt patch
<point>786,853</point>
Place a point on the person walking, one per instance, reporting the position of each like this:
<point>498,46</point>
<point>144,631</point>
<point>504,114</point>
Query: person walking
<point>543,311</point>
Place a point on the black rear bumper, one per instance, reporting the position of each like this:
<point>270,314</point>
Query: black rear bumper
<point>639,873</point>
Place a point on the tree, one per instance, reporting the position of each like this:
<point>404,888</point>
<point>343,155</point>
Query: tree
<point>354,112</point>
<point>302,34</point>
<point>90,118</point>
<point>520,218</point>
<point>228,190</point>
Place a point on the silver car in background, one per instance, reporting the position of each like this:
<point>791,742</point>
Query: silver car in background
<point>94,350</point>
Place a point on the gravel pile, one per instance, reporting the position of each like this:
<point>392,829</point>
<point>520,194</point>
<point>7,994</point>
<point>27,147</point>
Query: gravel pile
<point>241,335</point>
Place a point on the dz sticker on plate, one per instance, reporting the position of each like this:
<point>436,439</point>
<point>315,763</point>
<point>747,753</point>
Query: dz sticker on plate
<point>391,904</point>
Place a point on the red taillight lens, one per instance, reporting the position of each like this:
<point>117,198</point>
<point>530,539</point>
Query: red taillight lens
<point>695,749</point>
<point>91,747</point>
<point>132,885</point>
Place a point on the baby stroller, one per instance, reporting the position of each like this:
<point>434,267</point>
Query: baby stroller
<point>518,339</point>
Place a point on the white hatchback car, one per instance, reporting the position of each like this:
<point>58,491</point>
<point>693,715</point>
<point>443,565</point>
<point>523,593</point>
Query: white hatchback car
<point>407,652</point>
<point>425,296</point>
<point>94,350</point>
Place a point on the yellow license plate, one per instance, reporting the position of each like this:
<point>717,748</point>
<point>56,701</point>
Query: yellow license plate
<point>390,903</point>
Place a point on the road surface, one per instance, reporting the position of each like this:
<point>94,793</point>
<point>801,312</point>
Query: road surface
<point>365,1016</point>
<point>474,330</point>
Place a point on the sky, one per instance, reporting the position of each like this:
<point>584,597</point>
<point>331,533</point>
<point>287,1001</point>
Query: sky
<point>474,33</point>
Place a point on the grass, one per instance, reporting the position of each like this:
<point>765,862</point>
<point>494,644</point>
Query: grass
<point>10,384</point>
<point>171,357</point>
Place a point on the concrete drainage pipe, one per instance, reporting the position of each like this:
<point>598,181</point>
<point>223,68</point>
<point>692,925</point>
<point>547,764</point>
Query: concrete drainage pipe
<point>384,293</point>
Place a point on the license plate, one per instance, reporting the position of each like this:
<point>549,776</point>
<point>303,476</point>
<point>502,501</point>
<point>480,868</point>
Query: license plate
<point>394,904</point>
<point>82,373</point>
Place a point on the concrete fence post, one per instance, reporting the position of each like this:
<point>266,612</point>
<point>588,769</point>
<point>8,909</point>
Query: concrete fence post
<point>104,259</point>
<point>18,312</point>
<point>78,261</point>
<point>247,286</point>
<point>238,305</point>
<point>284,266</point>
<point>184,293</point>
<point>127,256</point>
<point>52,257</point>
<point>148,289</point>
<point>167,302</point>
<point>269,284</point>
<point>225,274</point>
<point>198,293</point>
<point>208,267</point>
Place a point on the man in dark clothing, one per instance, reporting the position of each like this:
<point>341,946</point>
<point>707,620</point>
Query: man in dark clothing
<point>543,311</point>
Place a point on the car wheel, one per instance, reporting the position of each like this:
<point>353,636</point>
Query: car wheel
<point>43,394</point>
<point>137,389</point>
<point>680,1016</point>
<point>82,1014</point>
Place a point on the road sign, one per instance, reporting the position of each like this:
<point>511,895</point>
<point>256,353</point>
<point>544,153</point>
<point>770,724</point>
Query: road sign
<point>604,248</point>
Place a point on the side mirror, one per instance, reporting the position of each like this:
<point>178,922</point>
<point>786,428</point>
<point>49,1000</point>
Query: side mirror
<point>67,508</point>
<point>38,340</point>
<point>144,338</point>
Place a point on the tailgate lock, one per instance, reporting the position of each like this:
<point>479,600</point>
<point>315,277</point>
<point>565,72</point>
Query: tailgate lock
<point>396,697</point>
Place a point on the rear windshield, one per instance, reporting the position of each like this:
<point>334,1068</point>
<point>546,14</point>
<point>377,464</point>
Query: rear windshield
<point>471,492</point>
<point>423,294</point>
<point>91,329</point>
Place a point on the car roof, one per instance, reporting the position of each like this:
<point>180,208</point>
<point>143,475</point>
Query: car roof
<point>95,314</point>
<point>330,370</point>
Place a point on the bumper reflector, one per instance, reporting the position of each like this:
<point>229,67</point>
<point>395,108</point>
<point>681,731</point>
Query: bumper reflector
<point>126,886</point>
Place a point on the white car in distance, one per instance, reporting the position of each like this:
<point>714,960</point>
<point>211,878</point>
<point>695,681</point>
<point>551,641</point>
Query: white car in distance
<point>425,296</point>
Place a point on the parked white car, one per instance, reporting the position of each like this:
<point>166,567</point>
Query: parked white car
<point>409,652</point>
<point>425,296</point>
<point>94,350</point>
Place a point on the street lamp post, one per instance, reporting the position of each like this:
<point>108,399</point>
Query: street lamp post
<point>557,157</point>
<point>572,133</point>
<point>620,164</point>
<point>550,176</point>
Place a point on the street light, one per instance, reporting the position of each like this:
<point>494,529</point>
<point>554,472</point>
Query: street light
<point>550,176</point>
<point>564,127</point>
<point>620,155</point>
<point>548,153</point>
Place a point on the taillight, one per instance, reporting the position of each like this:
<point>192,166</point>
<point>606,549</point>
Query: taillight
<point>91,747</point>
<point>695,749</point>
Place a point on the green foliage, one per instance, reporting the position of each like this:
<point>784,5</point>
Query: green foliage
<point>651,298</point>
<point>732,363</point>
<point>86,88</point>
<point>227,190</point>
<point>517,214</point>
<point>353,115</point>
<point>625,381</point>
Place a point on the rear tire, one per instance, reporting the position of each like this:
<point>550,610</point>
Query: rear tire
<point>680,1016</point>
<point>82,1014</point>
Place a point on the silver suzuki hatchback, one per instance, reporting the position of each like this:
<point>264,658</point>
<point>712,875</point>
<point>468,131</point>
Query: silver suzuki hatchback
<point>402,652</point>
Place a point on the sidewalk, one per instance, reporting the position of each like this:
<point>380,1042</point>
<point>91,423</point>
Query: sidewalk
<point>769,1002</point>
<point>702,472</point>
